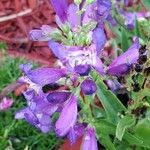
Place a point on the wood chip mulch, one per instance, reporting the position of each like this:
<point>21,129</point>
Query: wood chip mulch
<point>17,18</point>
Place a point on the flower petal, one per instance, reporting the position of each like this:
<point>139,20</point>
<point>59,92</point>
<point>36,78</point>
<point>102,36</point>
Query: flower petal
<point>72,15</point>
<point>119,70</point>
<point>99,38</point>
<point>43,76</point>
<point>99,66</point>
<point>104,7</point>
<point>67,117</point>
<point>89,141</point>
<point>58,49</point>
<point>129,57</point>
<point>60,7</point>
<point>82,70</point>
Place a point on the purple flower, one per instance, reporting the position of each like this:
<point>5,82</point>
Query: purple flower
<point>99,38</point>
<point>114,85</point>
<point>72,56</point>
<point>75,132</point>
<point>42,34</point>
<point>82,70</point>
<point>67,118</point>
<point>38,111</point>
<point>60,7</point>
<point>89,140</point>
<point>104,7</point>
<point>88,87</point>
<point>43,76</point>
<point>58,97</point>
<point>41,121</point>
<point>121,64</point>
<point>131,17</point>
<point>6,103</point>
<point>72,16</point>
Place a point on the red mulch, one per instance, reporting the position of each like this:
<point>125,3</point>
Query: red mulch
<point>14,30</point>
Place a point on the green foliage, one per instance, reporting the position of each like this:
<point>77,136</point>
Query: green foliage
<point>123,124</point>
<point>146,4</point>
<point>110,102</point>
<point>124,39</point>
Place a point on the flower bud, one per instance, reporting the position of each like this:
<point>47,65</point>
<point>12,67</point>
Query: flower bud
<point>88,87</point>
<point>89,140</point>
<point>58,97</point>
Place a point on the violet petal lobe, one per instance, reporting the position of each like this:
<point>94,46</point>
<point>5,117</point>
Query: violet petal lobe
<point>72,136</point>
<point>99,38</point>
<point>82,70</point>
<point>89,140</point>
<point>36,35</point>
<point>75,132</point>
<point>119,70</point>
<point>67,118</point>
<point>72,15</point>
<point>129,57</point>
<point>58,49</point>
<point>121,65</point>
<point>98,65</point>
<point>104,7</point>
<point>43,76</point>
<point>58,97</point>
<point>60,7</point>
<point>26,67</point>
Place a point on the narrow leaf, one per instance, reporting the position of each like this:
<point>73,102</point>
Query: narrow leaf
<point>124,40</point>
<point>123,124</point>
<point>110,102</point>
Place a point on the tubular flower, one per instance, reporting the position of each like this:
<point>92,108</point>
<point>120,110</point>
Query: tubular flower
<point>72,56</point>
<point>104,7</point>
<point>45,33</point>
<point>67,118</point>
<point>89,140</point>
<point>43,76</point>
<point>60,7</point>
<point>121,65</point>
<point>99,38</point>
<point>88,87</point>
<point>37,112</point>
<point>75,132</point>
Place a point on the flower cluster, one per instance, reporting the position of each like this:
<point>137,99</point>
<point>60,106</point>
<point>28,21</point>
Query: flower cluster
<point>78,43</point>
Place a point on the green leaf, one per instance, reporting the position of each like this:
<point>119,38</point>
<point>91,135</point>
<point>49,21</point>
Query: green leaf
<point>146,4</point>
<point>106,141</point>
<point>123,124</point>
<point>110,102</point>
<point>98,112</point>
<point>142,130</point>
<point>137,29</point>
<point>106,128</point>
<point>124,40</point>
